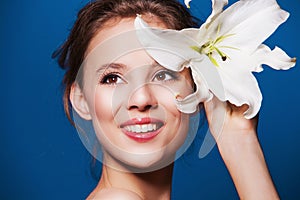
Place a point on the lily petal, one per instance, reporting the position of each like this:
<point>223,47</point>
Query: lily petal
<point>237,86</point>
<point>187,3</point>
<point>161,45</point>
<point>217,8</point>
<point>242,88</point>
<point>208,82</point>
<point>276,58</point>
<point>250,21</point>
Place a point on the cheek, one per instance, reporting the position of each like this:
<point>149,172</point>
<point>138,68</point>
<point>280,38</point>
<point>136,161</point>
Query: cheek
<point>103,104</point>
<point>166,100</point>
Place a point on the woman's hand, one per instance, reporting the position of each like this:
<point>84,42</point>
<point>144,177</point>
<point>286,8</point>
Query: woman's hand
<point>227,121</point>
<point>239,147</point>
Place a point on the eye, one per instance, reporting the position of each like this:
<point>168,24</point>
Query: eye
<point>165,75</point>
<point>111,79</point>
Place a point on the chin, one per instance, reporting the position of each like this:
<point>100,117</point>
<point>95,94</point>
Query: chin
<point>139,163</point>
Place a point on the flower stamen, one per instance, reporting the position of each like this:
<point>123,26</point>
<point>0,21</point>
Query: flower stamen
<point>212,46</point>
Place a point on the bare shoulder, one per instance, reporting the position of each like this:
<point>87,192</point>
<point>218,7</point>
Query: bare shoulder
<point>114,194</point>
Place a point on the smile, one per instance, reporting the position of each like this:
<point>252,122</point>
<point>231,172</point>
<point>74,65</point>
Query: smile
<point>142,130</point>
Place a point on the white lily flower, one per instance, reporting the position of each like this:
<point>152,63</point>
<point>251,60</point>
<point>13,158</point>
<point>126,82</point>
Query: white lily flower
<point>223,53</point>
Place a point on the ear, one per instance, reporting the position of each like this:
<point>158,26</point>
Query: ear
<point>79,103</point>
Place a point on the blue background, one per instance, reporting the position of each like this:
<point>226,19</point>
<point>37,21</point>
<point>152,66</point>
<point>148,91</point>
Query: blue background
<point>43,158</point>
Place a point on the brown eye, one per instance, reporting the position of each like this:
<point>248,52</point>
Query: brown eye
<point>160,76</point>
<point>111,79</point>
<point>165,76</point>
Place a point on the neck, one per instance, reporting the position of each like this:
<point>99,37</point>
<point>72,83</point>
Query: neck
<point>150,185</point>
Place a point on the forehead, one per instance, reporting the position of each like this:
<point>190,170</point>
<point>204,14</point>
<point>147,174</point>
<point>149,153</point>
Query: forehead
<point>117,42</point>
<point>117,26</point>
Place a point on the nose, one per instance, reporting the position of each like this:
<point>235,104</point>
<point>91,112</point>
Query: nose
<point>142,99</point>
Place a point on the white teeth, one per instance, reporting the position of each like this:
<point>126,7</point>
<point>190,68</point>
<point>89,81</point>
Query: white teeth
<point>141,128</point>
<point>144,128</point>
<point>137,129</point>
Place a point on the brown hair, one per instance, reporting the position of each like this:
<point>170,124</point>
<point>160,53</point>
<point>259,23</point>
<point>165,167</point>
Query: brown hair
<point>91,19</point>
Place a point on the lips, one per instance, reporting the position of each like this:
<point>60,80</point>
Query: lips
<point>142,129</point>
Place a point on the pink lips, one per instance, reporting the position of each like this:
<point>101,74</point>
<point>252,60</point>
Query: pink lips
<point>143,129</point>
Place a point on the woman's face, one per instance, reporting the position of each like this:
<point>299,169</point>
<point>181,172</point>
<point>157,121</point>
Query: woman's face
<point>131,99</point>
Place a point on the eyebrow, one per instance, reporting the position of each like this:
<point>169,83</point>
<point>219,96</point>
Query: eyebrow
<point>120,66</point>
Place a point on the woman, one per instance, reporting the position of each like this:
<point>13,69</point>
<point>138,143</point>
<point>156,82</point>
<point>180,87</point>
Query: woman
<point>112,81</point>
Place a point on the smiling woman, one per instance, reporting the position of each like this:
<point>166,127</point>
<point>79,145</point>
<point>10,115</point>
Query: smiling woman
<point>131,100</point>
<point>140,83</point>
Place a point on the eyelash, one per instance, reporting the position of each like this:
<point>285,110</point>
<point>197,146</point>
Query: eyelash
<point>104,78</point>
